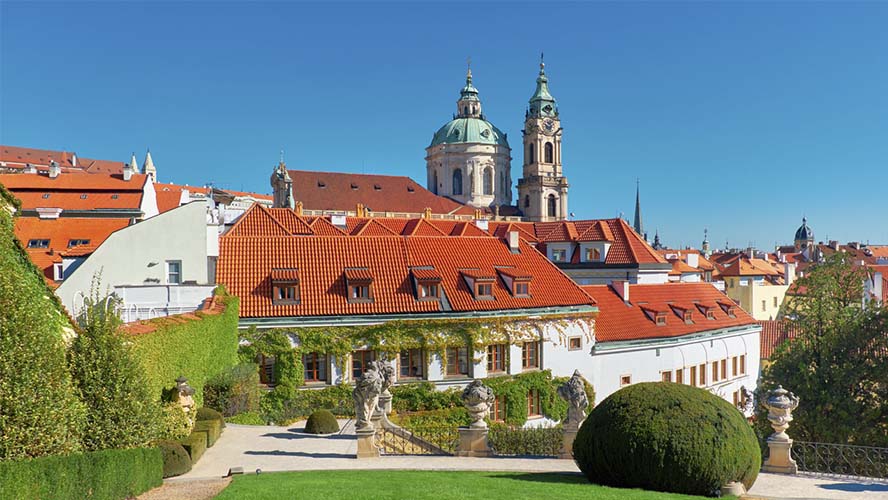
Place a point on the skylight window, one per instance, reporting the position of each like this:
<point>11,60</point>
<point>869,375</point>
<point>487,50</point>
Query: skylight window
<point>38,243</point>
<point>77,242</point>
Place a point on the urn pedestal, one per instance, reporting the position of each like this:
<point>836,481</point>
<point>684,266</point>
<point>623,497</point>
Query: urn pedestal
<point>473,443</point>
<point>367,447</point>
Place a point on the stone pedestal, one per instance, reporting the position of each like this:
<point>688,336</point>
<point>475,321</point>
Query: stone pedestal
<point>779,457</point>
<point>567,445</point>
<point>473,443</point>
<point>367,444</point>
<point>734,488</point>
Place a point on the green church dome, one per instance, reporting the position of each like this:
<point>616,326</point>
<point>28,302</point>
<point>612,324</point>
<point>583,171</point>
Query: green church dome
<point>469,130</point>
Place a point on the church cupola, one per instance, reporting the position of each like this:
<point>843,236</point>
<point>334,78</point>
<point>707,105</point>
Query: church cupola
<point>468,105</point>
<point>542,103</point>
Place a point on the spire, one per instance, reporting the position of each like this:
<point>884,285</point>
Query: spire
<point>468,105</point>
<point>637,225</point>
<point>134,163</point>
<point>657,245</point>
<point>148,167</point>
<point>541,102</point>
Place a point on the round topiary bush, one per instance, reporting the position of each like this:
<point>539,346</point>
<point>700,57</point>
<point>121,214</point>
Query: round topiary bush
<point>210,414</point>
<point>667,437</point>
<point>175,459</point>
<point>321,422</point>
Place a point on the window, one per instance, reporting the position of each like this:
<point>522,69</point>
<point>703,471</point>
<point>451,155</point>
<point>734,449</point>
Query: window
<point>714,372</point>
<point>266,369</point>
<point>742,364</point>
<point>360,362</point>
<point>593,254</point>
<point>76,242</point>
<point>764,305</point>
<point>488,180</point>
<point>522,289</point>
<point>666,376</point>
<point>412,363</point>
<point>45,196</point>
<point>58,271</point>
<point>83,197</point>
<point>526,201</point>
<point>174,272</point>
<point>710,313</point>
<point>679,376</point>
<point>483,290</point>
<point>457,182</point>
<point>734,368</point>
<point>360,293</point>
<point>553,205</point>
<point>38,243</point>
<point>457,361</point>
<point>625,380</point>
<point>496,358</point>
<point>549,152</point>
<point>693,376</point>
<point>724,369</point>
<point>775,302</point>
<point>559,255</point>
<point>574,343</point>
<point>530,155</point>
<point>530,355</point>
<point>736,398</point>
<point>284,293</point>
<point>533,403</point>
<point>661,318</point>
<point>703,375</point>
<point>498,412</point>
<point>315,367</point>
<point>428,291</point>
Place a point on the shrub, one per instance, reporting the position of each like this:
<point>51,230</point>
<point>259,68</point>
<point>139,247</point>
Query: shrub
<point>195,444</point>
<point>205,413</point>
<point>422,396</point>
<point>194,348</point>
<point>249,418</point>
<point>98,475</point>
<point>285,403</point>
<point>667,437</point>
<point>175,459</point>
<point>433,419</point>
<point>39,410</point>
<point>545,441</point>
<point>121,413</point>
<point>213,428</point>
<point>321,422</point>
<point>235,390</point>
<point>175,424</point>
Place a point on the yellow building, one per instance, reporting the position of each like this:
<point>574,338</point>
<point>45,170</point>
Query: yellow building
<point>751,283</point>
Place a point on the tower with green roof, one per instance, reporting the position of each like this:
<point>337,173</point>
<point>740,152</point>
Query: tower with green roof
<point>469,159</point>
<point>542,189</point>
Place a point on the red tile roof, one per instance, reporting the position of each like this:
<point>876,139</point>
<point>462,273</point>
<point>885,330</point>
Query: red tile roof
<point>618,321</point>
<point>750,267</point>
<point>774,333</point>
<point>76,191</point>
<point>380,193</point>
<point>17,157</point>
<point>679,267</point>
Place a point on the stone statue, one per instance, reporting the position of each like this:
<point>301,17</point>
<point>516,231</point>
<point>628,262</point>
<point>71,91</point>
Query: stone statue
<point>186,393</point>
<point>780,404</point>
<point>378,377</point>
<point>478,398</point>
<point>748,402</point>
<point>574,392</point>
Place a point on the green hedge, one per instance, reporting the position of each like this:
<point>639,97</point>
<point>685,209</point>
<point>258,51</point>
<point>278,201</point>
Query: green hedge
<point>540,441</point>
<point>321,422</point>
<point>198,349</point>
<point>285,403</point>
<point>195,445</point>
<point>98,475</point>
<point>175,459</point>
<point>235,390</point>
<point>213,429</point>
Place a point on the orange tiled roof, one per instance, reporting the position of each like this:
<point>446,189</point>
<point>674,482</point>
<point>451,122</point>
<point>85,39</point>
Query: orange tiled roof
<point>750,267</point>
<point>680,267</point>
<point>17,157</point>
<point>619,321</point>
<point>774,333</point>
<point>76,191</point>
<point>380,193</point>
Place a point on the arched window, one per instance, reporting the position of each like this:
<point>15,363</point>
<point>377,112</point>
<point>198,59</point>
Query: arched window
<point>526,201</point>
<point>553,205</point>
<point>530,158</point>
<point>457,182</point>
<point>550,153</point>
<point>488,180</point>
<point>465,110</point>
<point>435,182</point>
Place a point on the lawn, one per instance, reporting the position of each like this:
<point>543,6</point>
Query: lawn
<point>437,485</point>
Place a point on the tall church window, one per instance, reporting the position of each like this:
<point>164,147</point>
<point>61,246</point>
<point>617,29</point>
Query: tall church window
<point>530,158</point>
<point>488,180</point>
<point>457,182</point>
<point>435,182</point>
<point>549,153</point>
<point>526,201</point>
<point>553,205</point>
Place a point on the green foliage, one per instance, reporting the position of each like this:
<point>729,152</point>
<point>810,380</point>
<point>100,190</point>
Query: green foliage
<point>175,459</point>
<point>213,428</point>
<point>445,418</point>
<point>235,390</point>
<point>321,422</point>
<point>539,441</point>
<point>195,444</point>
<point>121,413</point>
<point>248,418</point>
<point>39,410</point>
<point>421,396</point>
<point>667,437</point>
<point>837,364</point>
<point>205,413</point>
<point>285,403</point>
<point>197,349</point>
<point>99,475</point>
<point>175,424</point>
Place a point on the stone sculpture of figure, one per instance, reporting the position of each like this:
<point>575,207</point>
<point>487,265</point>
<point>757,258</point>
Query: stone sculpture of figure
<point>478,398</point>
<point>377,378</point>
<point>780,404</point>
<point>574,392</point>
<point>186,394</point>
<point>748,400</point>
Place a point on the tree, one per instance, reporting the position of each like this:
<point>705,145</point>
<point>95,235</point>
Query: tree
<point>120,410</point>
<point>39,410</point>
<point>838,363</point>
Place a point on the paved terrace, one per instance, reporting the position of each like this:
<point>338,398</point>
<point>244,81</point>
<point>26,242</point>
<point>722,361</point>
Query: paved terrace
<point>273,448</point>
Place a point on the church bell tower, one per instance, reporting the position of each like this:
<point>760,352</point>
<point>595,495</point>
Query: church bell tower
<point>542,190</point>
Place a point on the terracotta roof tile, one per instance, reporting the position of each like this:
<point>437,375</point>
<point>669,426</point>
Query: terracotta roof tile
<point>323,227</point>
<point>774,333</point>
<point>15,156</point>
<point>258,221</point>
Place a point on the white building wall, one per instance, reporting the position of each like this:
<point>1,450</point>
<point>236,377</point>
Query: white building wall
<point>138,254</point>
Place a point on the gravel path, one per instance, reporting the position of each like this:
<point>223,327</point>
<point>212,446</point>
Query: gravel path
<point>196,489</point>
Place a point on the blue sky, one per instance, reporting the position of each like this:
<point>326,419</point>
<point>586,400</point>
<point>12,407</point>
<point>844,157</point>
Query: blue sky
<point>739,117</point>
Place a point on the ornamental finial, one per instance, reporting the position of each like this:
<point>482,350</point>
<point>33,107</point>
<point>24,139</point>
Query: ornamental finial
<point>469,69</point>
<point>542,64</point>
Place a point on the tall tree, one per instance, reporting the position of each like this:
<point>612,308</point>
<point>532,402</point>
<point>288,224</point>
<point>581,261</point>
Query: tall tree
<point>838,363</point>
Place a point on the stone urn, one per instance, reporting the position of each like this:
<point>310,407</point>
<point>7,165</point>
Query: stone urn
<point>780,404</point>
<point>478,399</point>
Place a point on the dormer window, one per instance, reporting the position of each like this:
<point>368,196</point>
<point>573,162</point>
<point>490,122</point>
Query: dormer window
<point>37,243</point>
<point>76,243</point>
<point>688,316</point>
<point>660,319</point>
<point>481,284</point>
<point>516,282</point>
<point>559,255</point>
<point>428,291</point>
<point>428,283</point>
<point>284,286</point>
<point>484,290</point>
<point>593,254</point>
<point>359,284</point>
<point>521,289</point>
<point>728,309</point>
<point>45,196</point>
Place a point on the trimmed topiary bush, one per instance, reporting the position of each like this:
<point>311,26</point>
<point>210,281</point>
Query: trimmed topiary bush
<point>234,391</point>
<point>210,414</point>
<point>213,429</point>
<point>321,422</point>
<point>195,445</point>
<point>667,437</point>
<point>175,459</point>
<point>175,424</point>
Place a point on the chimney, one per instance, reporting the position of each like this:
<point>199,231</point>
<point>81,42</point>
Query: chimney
<point>789,269</point>
<point>834,244</point>
<point>877,286</point>
<point>693,260</point>
<point>54,169</point>
<point>482,224</point>
<point>854,244</point>
<point>74,159</point>
<point>750,252</point>
<point>298,208</point>
<point>30,169</point>
<point>513,241</point>
<point>621,287</point>
<point>127,172</point>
